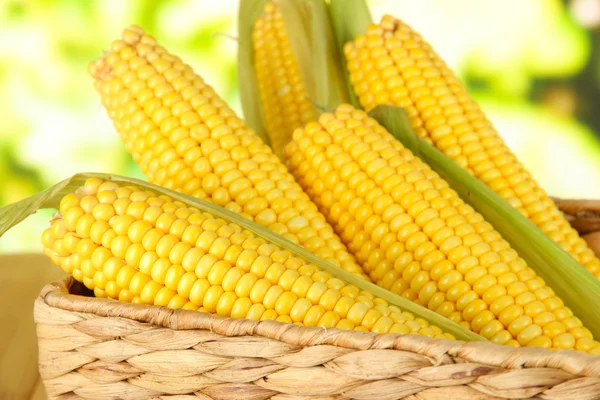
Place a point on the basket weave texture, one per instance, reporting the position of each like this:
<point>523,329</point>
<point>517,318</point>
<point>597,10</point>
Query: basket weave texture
<point>93,348</point>
<point>102,349</point>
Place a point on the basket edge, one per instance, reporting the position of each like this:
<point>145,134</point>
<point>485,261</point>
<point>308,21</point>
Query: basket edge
<point>57,295</point>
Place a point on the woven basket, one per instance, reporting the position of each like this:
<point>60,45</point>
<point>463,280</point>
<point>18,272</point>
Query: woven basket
<point>95,348</point>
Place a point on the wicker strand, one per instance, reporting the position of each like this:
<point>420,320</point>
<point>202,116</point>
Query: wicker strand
<point>583,215</point>
<point>94,348</point>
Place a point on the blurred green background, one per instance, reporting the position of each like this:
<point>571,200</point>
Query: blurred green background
<point>534,66</point>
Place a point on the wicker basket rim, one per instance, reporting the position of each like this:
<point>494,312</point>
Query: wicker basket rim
<point>58,295</point>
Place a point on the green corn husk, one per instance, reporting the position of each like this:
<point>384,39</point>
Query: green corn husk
<point>575,285</point>
<point>50,198</point>
<point>314,47</point>
<point>349,18</point>
<point>327,90</point>
<point>253,114</point>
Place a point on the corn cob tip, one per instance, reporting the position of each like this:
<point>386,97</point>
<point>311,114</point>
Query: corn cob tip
<point>99,69</point>
<point>348,108</point>
<point>134,41</point>
<point>389,23</point>
<point>270,8</point>
<point>94,68</point>
<point>133,34</point>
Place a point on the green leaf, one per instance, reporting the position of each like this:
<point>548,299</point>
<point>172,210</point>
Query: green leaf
<point>330,84</point>
<point>350,19</point>
<point>297,19</point>
<point>249,11</point>
<point>313,44</point>
<point>577,287</point>
<point>50,198</point>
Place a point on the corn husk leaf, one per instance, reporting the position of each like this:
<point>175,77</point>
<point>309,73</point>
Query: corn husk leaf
<point>577,287</point>
<point>316,51</point>
<point>249,10</point>
<point>50,198</point>
<point>350,18</point>
<point>313,44</point>
<point>297,19</point>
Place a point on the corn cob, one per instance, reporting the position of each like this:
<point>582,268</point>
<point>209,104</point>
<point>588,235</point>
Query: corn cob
<point>392,64</point>
<point>284,99</point>
<point>133,245</point>
<point>184,137</point>
<point>417,238</point>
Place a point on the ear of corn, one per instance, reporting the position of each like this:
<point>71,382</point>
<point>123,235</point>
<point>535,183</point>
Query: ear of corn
<point>184,137</point>
<point>571,282</point>
<point>416,237</point>
<point>391,64</point>
<point>134,245</point>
